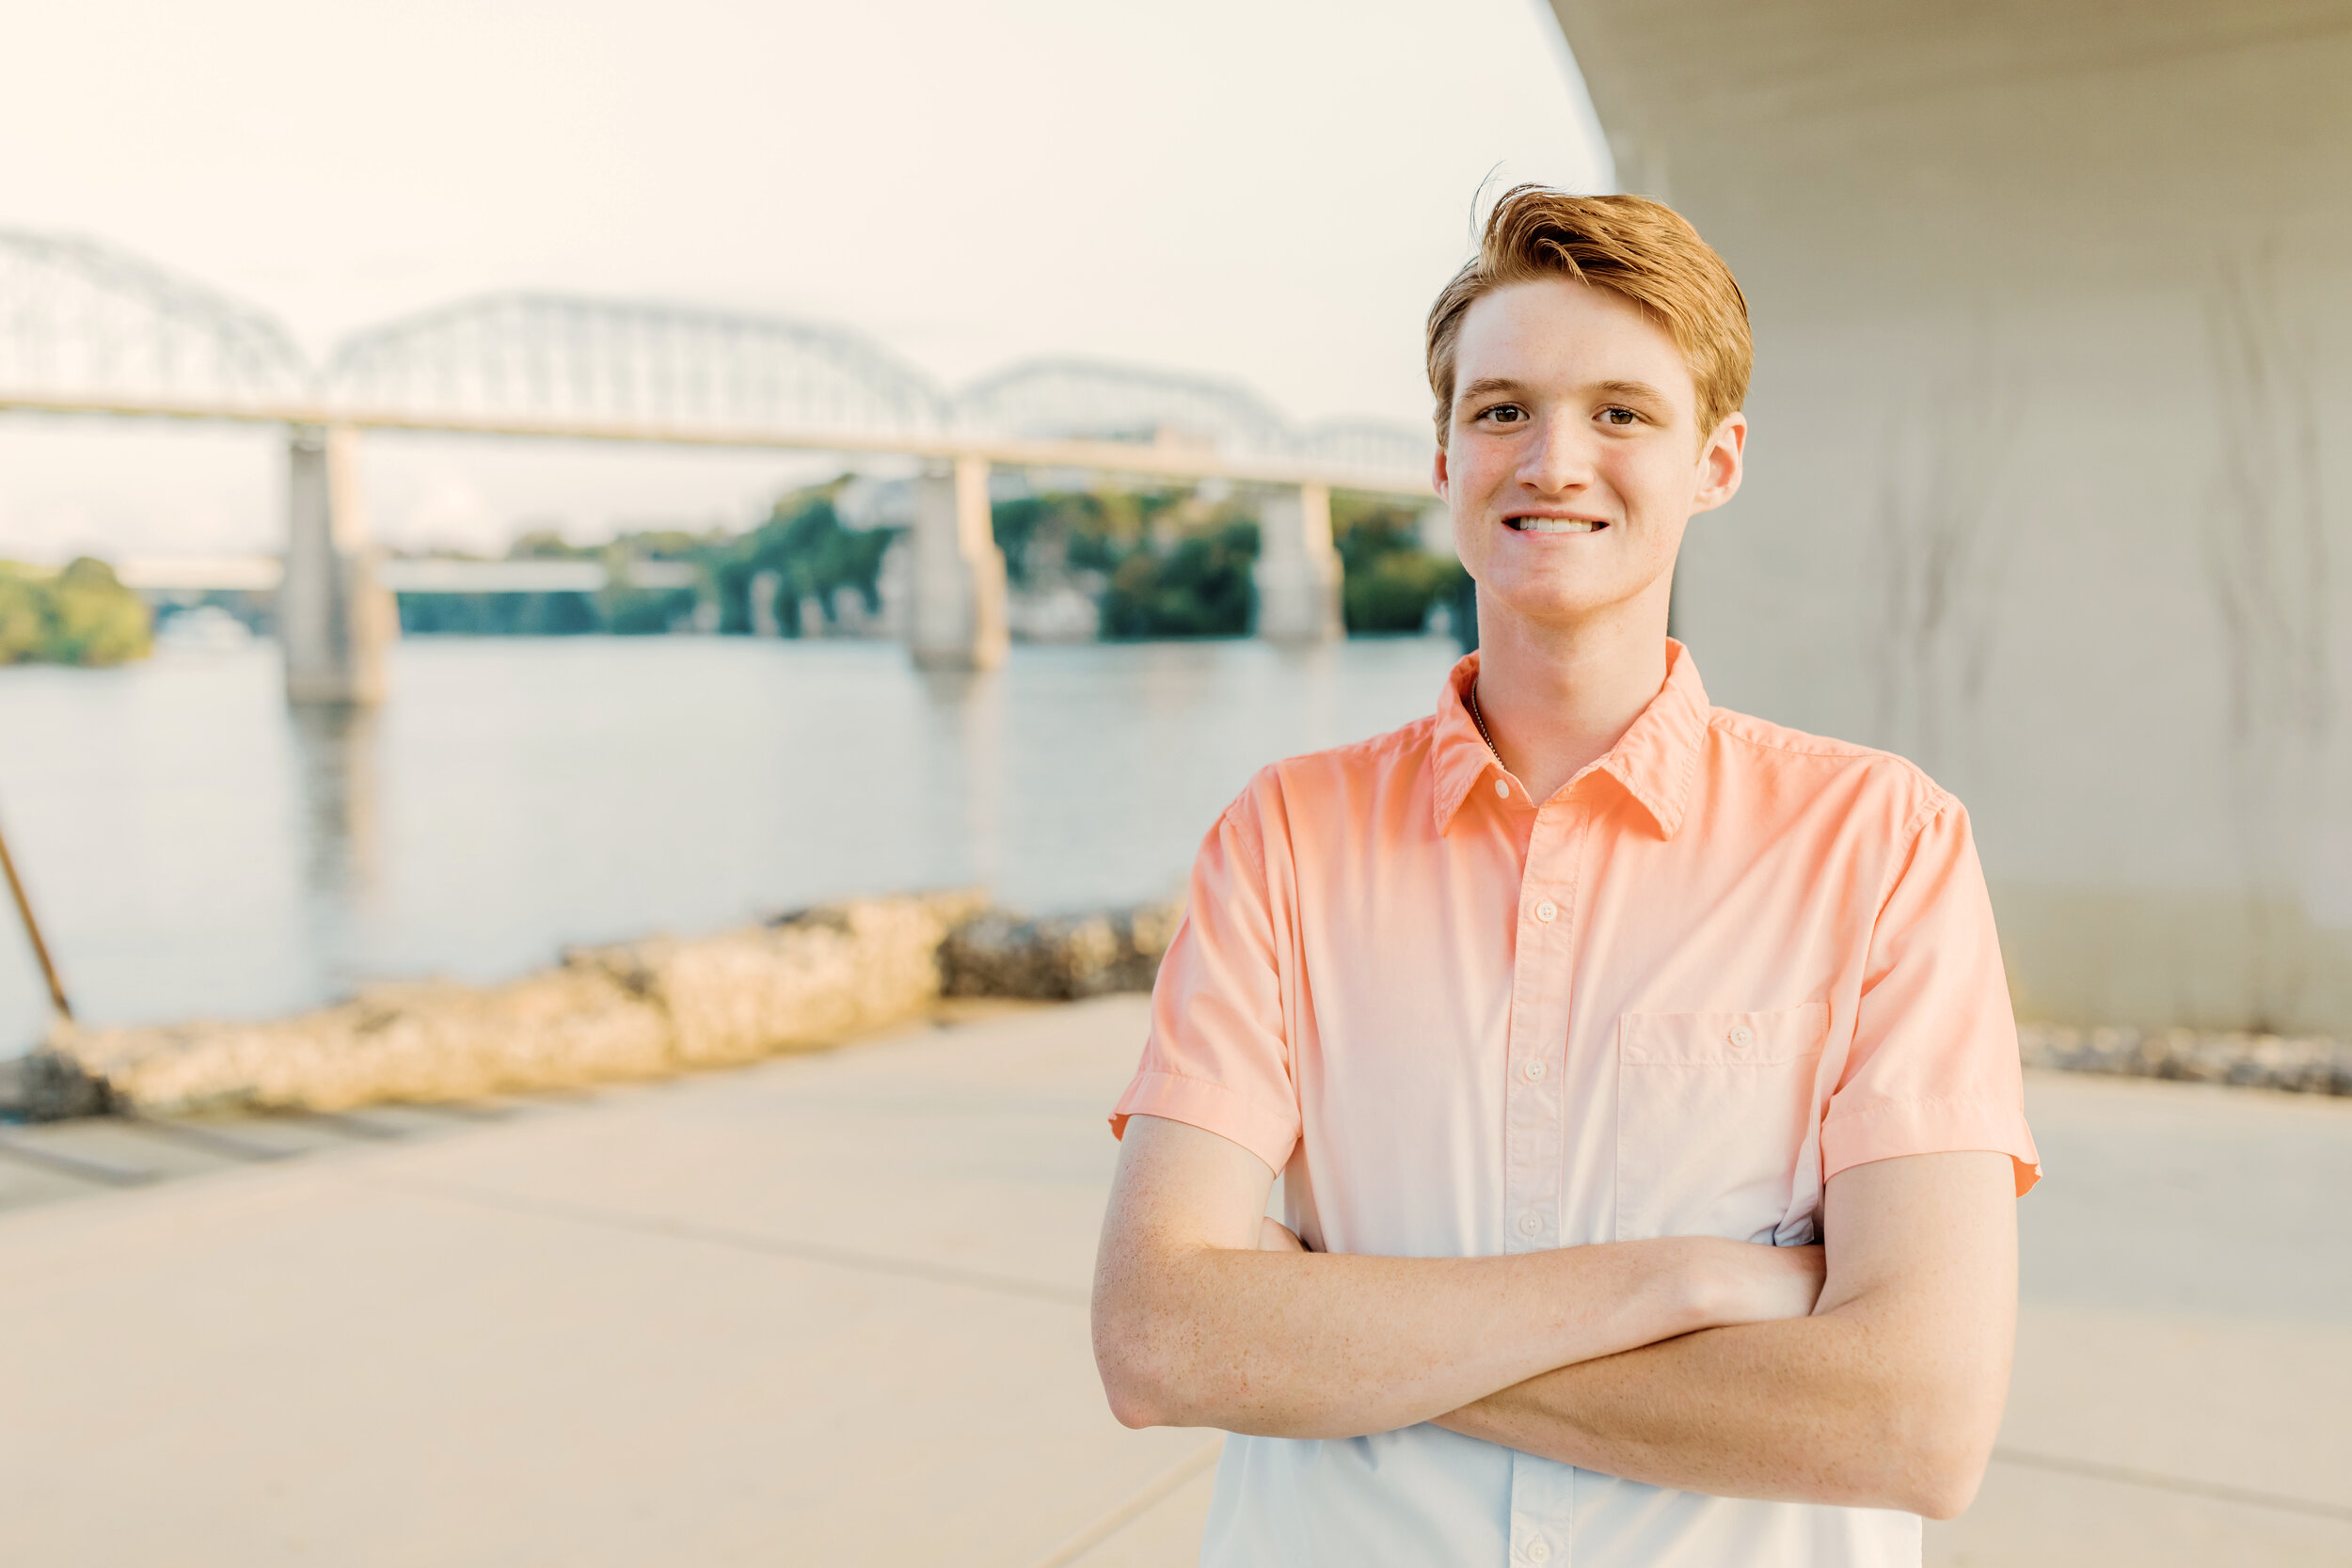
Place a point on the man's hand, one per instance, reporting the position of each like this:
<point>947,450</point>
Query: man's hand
<point>1887,1396</point>
<point>1196,1323</point>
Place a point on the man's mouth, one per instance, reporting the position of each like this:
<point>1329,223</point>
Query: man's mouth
<point>1552,525</point>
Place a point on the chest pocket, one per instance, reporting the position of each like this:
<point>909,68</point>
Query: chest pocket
<point>1718,1134</point>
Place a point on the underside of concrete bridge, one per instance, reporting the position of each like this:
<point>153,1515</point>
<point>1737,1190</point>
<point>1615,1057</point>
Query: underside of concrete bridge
<point>2053,307</point>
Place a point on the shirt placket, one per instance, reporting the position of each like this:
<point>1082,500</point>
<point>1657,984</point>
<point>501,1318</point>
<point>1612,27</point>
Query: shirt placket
<point>1542,975</point>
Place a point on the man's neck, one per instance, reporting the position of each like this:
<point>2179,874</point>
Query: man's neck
<point>1556,698</point>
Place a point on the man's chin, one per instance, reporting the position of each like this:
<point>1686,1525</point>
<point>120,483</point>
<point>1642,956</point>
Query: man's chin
<point>1554,606</point>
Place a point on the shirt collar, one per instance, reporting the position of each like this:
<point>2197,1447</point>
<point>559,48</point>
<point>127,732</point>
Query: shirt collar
<point>1653,761</point>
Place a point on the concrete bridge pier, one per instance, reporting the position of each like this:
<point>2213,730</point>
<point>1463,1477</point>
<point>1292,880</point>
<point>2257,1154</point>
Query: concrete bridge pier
<point>958,620</point>
<point>1298,569</point>
<point>334,619</point>
<point>2048,490</point>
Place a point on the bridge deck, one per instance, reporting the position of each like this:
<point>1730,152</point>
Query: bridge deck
<point>1163,459</point>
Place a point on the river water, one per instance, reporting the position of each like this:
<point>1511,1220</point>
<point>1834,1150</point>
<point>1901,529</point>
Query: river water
<point>194,848</point>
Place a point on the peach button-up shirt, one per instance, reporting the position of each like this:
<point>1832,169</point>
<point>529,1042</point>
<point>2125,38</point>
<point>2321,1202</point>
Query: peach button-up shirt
<point>1724,963</point>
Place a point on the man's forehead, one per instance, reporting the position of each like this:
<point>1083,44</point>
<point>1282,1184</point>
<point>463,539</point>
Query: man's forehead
<point>1560,332</point>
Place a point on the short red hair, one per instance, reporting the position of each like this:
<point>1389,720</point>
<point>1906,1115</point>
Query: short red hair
<point>1637,247</point>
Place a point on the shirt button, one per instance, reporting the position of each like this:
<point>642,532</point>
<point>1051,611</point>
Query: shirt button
<point>1547,911</point>
<point>1530,1223</point>
<point>1742,1036</point>
<point>1539,1549</point>
<point>1534,1071</point>
<point>1503,787</point>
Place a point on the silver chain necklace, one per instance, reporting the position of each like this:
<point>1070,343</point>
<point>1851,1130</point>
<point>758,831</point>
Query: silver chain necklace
<point>1479,719</point>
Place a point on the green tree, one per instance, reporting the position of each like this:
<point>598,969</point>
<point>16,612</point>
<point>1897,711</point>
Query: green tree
<point>1171,565</point>
<point>1390,583</point>
<point>1199,587</point>
<point>813,555</point>
<point>82,616</point>
<point>1088,531</point>
<point>24,615</point>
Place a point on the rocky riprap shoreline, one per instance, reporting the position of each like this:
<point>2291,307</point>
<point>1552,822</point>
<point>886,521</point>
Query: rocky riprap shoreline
<point>997,953</point>
<point>665,1006</point>
<point>2297,1064</point>
<point>630,1010</point>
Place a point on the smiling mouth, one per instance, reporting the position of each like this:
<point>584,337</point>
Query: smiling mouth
<point>1552,525</point>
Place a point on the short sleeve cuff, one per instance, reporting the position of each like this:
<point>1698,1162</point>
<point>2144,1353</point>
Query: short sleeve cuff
<point>1895,1128</point>
<point>1269,1133</point>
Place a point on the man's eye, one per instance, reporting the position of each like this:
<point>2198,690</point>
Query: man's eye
<point>1619,416</point>
<point>1505,413</point>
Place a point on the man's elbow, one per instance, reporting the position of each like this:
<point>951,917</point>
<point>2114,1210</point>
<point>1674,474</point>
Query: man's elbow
<point>1933,1454</point>
<point>1943,1484</point>
<point>1139,1379</point>
<point>1137,1398</point>
<point>1132,1408</point>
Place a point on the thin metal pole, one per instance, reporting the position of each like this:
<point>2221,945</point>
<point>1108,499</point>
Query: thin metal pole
<point>32,929</point>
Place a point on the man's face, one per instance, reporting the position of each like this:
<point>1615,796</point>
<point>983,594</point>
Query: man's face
<point>1574,458</point>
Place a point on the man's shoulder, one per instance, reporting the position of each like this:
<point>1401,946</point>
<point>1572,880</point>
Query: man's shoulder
<point>1371,765</point>
<point>1823,762</point>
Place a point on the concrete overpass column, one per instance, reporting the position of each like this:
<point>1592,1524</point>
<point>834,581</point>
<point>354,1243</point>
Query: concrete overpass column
<point>1993,370</point>
<point>958,621</point>
<point>1298,570</point>
<point>334,619</point>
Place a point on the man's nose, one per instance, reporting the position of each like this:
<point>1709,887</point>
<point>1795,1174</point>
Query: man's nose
<point>1559,459</point>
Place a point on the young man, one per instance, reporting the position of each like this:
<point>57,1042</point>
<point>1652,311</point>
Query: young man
<point>1641,1075</point>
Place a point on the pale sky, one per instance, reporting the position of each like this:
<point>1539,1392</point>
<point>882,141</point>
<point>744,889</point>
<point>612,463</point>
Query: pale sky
<point>1267,190</point>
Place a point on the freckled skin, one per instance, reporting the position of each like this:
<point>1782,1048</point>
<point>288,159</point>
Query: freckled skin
<point>1569,402</point>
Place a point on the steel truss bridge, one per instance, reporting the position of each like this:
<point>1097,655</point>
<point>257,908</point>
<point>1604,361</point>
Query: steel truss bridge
<point>88,329</point>
<point>85,328</point>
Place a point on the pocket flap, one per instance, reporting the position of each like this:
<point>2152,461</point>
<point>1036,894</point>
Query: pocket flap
<point>1722,1039</point>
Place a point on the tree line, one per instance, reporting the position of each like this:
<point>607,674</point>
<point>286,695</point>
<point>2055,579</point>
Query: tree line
<point>78,615</point>
<point>1158,563</point>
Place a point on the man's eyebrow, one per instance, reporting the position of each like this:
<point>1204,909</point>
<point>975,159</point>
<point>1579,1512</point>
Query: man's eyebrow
<point>1640,390</point>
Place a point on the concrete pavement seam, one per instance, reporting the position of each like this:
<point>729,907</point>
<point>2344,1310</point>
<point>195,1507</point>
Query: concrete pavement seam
<point>745,1240</point>
<point>2094,1470</point>
<point>1159,1490</point>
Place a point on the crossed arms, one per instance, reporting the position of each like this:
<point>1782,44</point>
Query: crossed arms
<point>1871,1372</point>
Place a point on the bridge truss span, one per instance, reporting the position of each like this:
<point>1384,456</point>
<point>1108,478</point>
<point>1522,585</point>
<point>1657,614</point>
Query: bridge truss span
<point>84,323</point>
<point>88,329</point>
<point>1097,400</point>
<point>85,328</point>
<point>570,360</point>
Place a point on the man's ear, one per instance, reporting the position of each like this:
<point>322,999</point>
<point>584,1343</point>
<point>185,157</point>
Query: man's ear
<point>1438,477</point>
<point>1722,462</point>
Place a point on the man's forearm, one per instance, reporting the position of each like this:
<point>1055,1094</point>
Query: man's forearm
<point>1800,1410</point>
<point>1195,1327</point>
<point>1309,1345</point>
<point>1889,1397</point>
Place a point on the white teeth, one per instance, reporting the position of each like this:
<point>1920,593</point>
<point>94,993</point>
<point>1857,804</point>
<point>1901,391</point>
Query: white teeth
<point>1552,525</point>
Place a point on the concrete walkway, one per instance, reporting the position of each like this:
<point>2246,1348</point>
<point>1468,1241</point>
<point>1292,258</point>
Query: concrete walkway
<point>832,1310</point>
